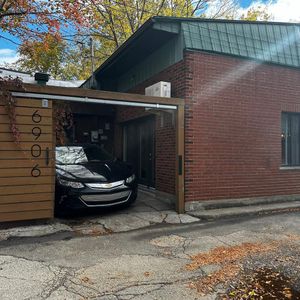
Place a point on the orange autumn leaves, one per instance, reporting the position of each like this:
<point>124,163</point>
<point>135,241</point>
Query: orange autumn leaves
<point>28,19</point>
<point>228,260</point>
<point>222,255</point>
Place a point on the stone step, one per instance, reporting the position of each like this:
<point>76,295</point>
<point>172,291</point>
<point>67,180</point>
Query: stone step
<point>231,212</point>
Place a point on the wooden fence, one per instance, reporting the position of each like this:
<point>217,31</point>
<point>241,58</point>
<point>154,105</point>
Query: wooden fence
<point>27,170</point>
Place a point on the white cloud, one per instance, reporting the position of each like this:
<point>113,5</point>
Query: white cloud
<point>280,10</point>
<point>286,10</point>
<point>220,8</point>
<point>8,56</point>
<point>7,52</point>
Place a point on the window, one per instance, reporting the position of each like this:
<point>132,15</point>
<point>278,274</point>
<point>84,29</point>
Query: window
<point>290,139</point>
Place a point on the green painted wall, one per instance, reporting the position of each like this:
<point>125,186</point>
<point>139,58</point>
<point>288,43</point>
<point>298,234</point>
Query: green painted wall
<point>168,54</point>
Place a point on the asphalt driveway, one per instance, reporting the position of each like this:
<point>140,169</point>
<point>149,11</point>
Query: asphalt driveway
<point>164,261</point>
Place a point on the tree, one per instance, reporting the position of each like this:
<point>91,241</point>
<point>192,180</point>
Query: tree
<point>45,55</point>
<point>55,56</point>
<point>40,25</point>
<point>109,22</point>
<point>77,64</point>
<point>27,19</point>
<point>256,14</point>
<point>221,9</point>
<point>114,21</point>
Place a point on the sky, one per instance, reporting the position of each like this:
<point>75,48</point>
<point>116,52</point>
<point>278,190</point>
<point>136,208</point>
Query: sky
<point>280,10</point>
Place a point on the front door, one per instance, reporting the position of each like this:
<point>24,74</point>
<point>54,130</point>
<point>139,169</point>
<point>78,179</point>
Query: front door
<point>139,149</point>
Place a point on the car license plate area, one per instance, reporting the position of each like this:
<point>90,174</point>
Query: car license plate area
<point>99,198</point>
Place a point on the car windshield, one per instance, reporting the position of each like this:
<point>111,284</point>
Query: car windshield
<point>67,155</point>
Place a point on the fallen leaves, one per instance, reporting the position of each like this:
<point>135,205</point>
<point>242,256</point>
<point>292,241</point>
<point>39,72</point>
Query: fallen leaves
<point>221,255</point>
<point>86,280</point>
<point>92,230</point>
<point>263,283</point>
<point>228,258</point>
<point>206,284</point>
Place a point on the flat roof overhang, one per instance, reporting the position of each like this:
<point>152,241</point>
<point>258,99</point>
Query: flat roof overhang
<point>96,96</point>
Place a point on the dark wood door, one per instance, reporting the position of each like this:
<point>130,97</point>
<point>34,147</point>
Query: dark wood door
<point>146,175</point>
<point>139,149</point>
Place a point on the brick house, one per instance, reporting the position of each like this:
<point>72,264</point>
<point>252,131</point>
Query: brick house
<point>241,85</point>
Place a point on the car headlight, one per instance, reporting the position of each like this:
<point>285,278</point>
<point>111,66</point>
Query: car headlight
<point>72,184</point>
<point>130,179</point>
<point>65,174</point>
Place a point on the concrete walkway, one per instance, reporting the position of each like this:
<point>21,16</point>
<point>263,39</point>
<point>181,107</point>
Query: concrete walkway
<point>149,209</point>
<point>145,264</point>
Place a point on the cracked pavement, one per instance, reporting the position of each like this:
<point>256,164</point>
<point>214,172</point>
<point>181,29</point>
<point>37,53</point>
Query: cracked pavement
<point>149,209</point>
<point>144,264</point>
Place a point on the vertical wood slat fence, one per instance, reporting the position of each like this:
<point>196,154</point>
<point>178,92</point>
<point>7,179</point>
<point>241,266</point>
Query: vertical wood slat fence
<point>27,170</point>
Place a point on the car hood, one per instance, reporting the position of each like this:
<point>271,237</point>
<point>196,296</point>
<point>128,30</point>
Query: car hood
<point>95,171</point>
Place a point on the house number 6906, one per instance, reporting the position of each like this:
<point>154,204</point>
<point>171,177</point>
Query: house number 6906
<point>36,149</point>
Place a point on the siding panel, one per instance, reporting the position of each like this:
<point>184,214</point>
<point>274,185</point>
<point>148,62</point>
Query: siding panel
<point>26,178</point>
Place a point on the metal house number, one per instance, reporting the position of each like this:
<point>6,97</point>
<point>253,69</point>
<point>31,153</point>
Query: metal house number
<point>36,149</point>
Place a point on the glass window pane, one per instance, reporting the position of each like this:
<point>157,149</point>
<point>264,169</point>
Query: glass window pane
<point>284,135</point>
<point>294,136</point>
<point>290,139</point>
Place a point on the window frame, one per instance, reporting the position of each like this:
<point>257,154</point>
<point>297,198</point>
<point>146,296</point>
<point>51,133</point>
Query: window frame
<point>286,133</point>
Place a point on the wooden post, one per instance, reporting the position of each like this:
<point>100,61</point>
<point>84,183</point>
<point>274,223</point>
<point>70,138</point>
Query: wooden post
<point>180,160</point>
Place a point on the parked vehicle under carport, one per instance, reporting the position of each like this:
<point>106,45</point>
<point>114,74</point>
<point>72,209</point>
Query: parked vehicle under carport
<point>87,177</point>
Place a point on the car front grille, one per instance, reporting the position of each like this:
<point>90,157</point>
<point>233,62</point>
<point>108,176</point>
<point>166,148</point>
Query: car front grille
<point>105,185</point>
<point>105,199</point>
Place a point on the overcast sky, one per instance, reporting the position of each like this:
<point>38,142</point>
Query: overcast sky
<point>280,10</point>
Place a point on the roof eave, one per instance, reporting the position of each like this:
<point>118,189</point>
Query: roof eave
<point>129,41</point>
<point>195,19</point>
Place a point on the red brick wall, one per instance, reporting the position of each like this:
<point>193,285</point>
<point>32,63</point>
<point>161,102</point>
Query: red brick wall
<point>164,135</point>
<point>233,127</point>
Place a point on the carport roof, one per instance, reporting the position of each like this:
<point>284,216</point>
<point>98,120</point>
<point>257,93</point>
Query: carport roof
<point>272,42</point>
<point>87,95</point>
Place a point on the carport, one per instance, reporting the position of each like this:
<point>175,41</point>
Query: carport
<point>27,170</point>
